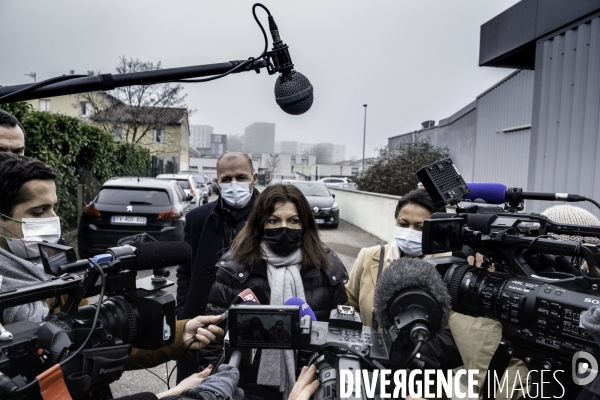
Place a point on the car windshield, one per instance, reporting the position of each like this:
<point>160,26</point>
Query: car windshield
<point>312,189</point>
<point>126,197</point>
<point>183,182</point>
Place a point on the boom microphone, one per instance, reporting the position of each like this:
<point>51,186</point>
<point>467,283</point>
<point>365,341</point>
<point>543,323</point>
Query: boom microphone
<point>304,307</point>
<point>497,193</point>
<point>410,294</point>
<point>293,91</point>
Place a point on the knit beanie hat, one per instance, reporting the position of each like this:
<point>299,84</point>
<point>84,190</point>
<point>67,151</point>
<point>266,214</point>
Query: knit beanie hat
<point>568,214</point>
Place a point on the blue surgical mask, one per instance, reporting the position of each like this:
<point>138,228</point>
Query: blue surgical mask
<point>236,194</point>
<point>409,241</point>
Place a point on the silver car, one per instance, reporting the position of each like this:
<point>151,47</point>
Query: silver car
<point>189,185</point>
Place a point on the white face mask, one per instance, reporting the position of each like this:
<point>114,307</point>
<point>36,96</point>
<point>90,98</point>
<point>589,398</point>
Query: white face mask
<point>236,194</point>
<point>35,230</point>
<point>409,241</point>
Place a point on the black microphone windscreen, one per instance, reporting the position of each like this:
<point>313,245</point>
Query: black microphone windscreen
<point>294,93</point>
<point>152,255</point>
<point>410,273</point>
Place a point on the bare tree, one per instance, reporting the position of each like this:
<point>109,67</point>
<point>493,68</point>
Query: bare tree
<point>273,164</point>
<point>322,153</point>
<point>235,143</point>
<point>137,113</point>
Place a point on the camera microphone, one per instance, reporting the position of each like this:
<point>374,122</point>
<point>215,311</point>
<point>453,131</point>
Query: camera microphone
<point>411,296</point>
<point>497,193</point>
<point>293,91</point>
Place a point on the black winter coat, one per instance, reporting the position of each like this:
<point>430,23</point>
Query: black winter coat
<point>324,289</point>
<point>204,230</point>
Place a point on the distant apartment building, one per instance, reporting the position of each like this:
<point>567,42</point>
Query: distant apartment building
<point>327,153</point>
<point>218,144</point>
<point>200,136</point>
<point>260,138</point>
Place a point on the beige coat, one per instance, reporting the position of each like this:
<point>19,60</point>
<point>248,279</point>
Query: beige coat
<point>476,338</point>
<point>363,278</point>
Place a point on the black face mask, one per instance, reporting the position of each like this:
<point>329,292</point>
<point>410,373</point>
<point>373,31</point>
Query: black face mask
<point>283,241</point>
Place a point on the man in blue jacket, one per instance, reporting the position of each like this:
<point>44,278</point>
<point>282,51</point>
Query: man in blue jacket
<point>210,229</point>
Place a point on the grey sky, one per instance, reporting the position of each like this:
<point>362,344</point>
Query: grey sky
<point>410,60</point>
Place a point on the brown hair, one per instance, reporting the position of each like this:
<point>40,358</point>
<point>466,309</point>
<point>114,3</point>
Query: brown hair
<point>246,246</point>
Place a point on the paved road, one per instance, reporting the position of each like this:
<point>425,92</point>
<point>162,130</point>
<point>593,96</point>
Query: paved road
<point>346,240</point>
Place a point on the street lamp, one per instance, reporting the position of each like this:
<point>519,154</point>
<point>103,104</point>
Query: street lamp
<point>364,138</point>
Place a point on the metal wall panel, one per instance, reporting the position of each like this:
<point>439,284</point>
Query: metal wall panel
<point>503,129</point>
<point>567,127</point>
<point>458,136</point>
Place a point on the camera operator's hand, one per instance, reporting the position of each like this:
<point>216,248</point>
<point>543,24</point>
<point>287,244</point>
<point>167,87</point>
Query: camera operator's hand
<point>478,261</point>
<point>306,385</point>
<point>197,328</point>
<point>190,382</point>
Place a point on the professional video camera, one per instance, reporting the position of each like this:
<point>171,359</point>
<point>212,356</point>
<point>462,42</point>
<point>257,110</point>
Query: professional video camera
<point>413,305</point>
<point>89,346</point>
<point>540,285</point>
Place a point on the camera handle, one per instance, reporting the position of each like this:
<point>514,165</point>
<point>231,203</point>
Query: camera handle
<point>534,361</point>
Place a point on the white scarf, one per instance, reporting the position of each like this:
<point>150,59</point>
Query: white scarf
<point>277,367</point>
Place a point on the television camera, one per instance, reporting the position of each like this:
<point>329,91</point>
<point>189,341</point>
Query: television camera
<point>413,307</point>
<point>537,287</point>
<point>86,348</point>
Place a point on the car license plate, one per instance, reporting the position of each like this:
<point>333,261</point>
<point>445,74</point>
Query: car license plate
<point>128,219</point>
<point>319,221</point>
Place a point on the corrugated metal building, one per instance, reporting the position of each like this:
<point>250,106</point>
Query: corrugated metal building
<point>489,138</point>
<point>539,128</point>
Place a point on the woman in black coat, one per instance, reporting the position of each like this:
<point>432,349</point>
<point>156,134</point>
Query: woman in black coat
<point>279,250</point>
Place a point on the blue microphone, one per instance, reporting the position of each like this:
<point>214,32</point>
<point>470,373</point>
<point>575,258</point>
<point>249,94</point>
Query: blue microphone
<point>304,307</point>
<point>497,193</point>
<point>491,193</point>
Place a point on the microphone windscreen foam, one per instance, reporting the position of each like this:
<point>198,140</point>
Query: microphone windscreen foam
<point>152,255</point>
<point>304,307</point>
<point>410,273</point>
<point>294,93</point>
<point>492,193</point>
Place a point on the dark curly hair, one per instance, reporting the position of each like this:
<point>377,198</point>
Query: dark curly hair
<point>15,172</point>
<point>246,246</point>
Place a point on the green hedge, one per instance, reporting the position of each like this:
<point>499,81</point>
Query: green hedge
<point>79,152</point>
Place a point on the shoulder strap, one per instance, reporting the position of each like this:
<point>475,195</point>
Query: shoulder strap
<point>381,255</point>
<point>380,262</point>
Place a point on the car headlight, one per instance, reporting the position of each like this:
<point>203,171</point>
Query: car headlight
<point>335,206</point>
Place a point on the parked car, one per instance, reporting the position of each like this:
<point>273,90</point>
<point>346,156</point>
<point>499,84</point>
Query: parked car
<point>200,178</point>
<point>325,209</point>
<point>348,186</point>
<point>275,181</point>
<point>190,186</point>
<point>128,206</point>
<point>334,182</point>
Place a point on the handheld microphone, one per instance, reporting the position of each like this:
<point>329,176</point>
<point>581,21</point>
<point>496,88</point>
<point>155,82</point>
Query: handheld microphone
<point>251,295</point>
<point>303,307</point>
<point>293,91</point>
<point>497,193</point>
<point>411,296</point>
